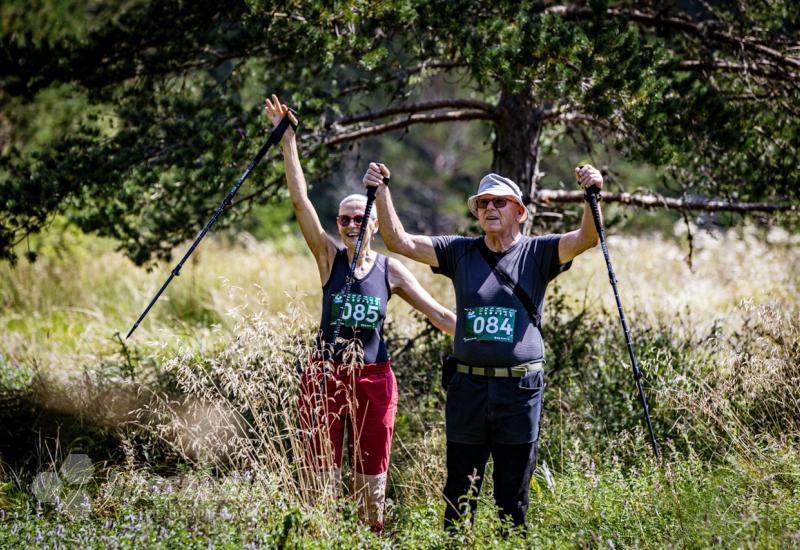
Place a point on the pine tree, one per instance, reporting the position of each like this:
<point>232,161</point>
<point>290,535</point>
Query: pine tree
<point>171,90</point>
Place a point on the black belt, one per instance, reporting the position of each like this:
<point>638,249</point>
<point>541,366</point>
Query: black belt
<point>517,371</point>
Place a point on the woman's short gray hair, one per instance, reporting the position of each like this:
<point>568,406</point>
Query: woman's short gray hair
<point>362,200</point>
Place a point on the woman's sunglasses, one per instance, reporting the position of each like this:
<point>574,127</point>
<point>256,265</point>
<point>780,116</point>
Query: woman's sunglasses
<point>498,203</point>
<point>344,220</point>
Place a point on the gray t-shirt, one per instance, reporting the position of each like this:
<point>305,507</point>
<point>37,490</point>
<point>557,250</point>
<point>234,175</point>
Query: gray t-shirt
<point>493,329</point>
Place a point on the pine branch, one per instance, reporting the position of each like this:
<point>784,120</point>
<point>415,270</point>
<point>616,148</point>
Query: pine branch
<point>348,88</point>
<point>682,25</point>
<point>755,69</point>
<point>563,116</point>
<point>653,201</point>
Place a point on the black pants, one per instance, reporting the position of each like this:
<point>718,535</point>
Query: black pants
<point>466,464</point>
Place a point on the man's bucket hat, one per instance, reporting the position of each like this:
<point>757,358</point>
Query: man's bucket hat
<point>498,186</point>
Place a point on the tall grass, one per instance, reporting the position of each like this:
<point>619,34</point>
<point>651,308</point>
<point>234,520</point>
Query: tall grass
<point>197,413</point>
<point>72,301</point>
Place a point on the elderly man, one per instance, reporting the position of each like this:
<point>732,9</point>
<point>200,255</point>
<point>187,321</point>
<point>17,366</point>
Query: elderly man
<point>494,398</point>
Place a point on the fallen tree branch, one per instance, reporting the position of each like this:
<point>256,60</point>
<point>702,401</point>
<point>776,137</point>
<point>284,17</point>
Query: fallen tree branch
<point>653,201</point>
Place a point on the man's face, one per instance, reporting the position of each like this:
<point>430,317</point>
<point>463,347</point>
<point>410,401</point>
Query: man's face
<point>353,214</point>
<point>498,214</point>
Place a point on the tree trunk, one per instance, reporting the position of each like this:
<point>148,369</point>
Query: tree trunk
<point>516,145</point>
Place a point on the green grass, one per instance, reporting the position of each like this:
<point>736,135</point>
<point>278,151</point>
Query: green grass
<point>719,344</point>
<point>681,503</point>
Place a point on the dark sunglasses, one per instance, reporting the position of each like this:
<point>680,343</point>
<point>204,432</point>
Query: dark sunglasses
<point>498,203</point>
<point>344,220</point>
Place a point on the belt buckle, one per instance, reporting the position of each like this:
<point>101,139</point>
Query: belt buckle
<point>519,371</point>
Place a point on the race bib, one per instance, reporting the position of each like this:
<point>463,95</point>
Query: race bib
<point>360,310</point>
<point>488,323</point>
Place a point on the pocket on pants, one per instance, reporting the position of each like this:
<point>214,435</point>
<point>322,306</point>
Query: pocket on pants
<point>517,409</point>
<point>455,381</point>
<point>532,383</point>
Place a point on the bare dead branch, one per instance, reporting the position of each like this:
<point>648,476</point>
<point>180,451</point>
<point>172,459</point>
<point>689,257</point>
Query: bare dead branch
<point>752,97</point>
<point>653,201</point>
<point>422,106</point>
<point>404,122</point>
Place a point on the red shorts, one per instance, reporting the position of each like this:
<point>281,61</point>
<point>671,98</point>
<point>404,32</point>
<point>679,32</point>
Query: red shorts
<point>361,400</point>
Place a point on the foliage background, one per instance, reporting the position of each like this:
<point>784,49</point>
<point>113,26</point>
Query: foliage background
<point>131,119</point>
<point>123,123</point>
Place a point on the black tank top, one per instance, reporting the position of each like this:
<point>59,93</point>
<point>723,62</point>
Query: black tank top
<point>363,313</point>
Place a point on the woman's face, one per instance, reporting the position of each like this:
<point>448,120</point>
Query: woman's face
<point>352,212</point>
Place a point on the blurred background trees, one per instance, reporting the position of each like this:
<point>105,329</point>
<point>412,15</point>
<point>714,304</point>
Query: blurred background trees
<point>131,119</point>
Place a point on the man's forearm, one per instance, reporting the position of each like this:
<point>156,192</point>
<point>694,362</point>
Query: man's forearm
<point>588,231</point>
<point>391,227</point>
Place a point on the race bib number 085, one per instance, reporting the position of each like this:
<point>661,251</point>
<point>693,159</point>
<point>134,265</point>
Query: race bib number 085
<point>488,323</point>
<point>360,310</point>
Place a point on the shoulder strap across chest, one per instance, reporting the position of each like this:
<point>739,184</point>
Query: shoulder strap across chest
<point>509,281</point>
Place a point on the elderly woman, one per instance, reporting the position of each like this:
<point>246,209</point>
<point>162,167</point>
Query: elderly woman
<point>360,396</point>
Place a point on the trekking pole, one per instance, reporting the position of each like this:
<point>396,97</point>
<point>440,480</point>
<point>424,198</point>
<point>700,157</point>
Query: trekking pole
<point>348,282</point>
<point>592,194</point>
<point>274,137</point>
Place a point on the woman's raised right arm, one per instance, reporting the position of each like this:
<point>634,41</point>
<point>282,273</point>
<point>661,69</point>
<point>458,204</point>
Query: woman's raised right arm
<point>321,244</point>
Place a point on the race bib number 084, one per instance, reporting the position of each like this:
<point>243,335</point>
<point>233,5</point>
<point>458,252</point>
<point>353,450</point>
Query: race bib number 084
<point>360,310</point>
<point>488,323</point>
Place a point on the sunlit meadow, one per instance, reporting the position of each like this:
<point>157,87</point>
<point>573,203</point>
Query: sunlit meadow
<point>192,430</point>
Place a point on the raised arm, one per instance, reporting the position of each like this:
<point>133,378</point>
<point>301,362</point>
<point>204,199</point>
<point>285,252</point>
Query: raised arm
<point>416,247</point>
<point>405,285</point>
<point>321,244</point>
<point>585,237</point>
